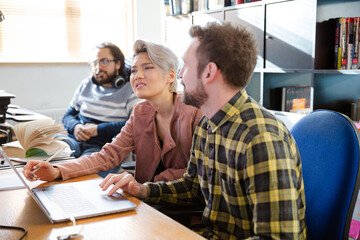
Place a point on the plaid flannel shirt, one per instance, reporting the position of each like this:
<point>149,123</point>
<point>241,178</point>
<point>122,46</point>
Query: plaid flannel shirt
<point>246,166</point>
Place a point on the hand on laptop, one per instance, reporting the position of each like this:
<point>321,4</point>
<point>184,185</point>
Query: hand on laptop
<point>40,170</point>
<point>126,182</point>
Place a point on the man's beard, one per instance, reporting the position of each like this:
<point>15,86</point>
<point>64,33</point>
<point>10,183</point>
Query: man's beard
<point>107,79</point>
<point>197,97</point>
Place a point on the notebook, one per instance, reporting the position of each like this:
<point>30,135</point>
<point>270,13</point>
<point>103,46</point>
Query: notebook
<point>84,199</point>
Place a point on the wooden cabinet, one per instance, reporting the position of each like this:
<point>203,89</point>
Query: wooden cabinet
<point>286,35</point>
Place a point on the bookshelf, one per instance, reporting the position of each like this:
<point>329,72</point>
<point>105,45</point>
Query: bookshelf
<point>286,33</point>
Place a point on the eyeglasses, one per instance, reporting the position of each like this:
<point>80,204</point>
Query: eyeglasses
<point>102,63</point>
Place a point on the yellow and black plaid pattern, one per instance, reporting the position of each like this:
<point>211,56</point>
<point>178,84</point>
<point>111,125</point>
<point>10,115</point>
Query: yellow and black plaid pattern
<point>246,166</point>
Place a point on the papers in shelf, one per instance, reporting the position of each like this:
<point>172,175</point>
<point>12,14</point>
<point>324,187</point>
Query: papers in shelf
<point>4,94</point>
<point>19,111</point>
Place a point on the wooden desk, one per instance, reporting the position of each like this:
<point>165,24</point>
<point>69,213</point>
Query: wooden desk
<point>18,208</point>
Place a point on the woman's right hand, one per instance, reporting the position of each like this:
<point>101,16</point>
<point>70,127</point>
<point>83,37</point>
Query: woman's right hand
<point>45,172</point>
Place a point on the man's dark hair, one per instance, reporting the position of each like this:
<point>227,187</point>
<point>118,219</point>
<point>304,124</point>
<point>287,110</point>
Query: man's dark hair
<point>232,48</point>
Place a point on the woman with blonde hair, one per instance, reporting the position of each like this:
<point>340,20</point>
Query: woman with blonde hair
<point>159,130</point>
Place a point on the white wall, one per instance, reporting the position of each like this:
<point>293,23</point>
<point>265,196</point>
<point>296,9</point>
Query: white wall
<point>148,19</point>
<point>327,9</point>
<point>42,87</point>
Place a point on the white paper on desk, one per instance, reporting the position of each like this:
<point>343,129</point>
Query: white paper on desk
<point>10,181</point>
<point>19,111</point>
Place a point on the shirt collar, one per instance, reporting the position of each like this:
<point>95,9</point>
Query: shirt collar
<point>231,108</point>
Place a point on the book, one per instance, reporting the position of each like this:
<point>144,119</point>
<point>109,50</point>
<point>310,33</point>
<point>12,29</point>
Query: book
<point>186,6</point>
<point>325,40</point>
<point>358,110</point>
<point>353,114</point>
<point>350,42</point>
<point>355,58</point>
<point>295,99</point>
<point>36,138</point>
<point>176,7</point>
<point>195,5</point>
<point>357,37</point>
<point>343,43</point>
<point>202,5</point>
<point>168,7</point>
<point>215,4</point>
<point>337,51</point>
<point>355,221</point>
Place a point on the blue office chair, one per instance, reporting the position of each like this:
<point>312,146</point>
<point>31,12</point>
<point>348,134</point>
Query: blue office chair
<point>329,148</point>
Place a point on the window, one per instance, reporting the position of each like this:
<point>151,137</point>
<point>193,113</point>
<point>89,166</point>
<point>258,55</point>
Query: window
<point>62,30</point>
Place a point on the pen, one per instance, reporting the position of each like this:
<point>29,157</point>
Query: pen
<point>37,167</point>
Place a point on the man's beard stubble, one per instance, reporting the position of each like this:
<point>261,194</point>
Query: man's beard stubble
<point>197,97</point>
<point>107,79</point>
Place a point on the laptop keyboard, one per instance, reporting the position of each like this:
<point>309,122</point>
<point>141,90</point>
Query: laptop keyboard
<point>69,199</point>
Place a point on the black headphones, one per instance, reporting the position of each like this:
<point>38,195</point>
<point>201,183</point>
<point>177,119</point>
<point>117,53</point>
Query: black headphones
<point>118,81</point>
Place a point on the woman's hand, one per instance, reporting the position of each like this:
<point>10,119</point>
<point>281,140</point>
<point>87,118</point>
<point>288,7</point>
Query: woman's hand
<point>45,172</point>
<point>126,182</point>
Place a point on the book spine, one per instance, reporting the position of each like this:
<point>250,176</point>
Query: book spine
<point>190,4</point>
<point>337,37</point>
<point>358,42</point>
<point>185,6</point>
<point>171,7</point>
<point>358,110</point>
<point>344,42</point>
<point>202,5</point>
<point>215,4</point>
<point>341,42</point>
<point>350,42</point>
<point>283,99</point>
<point>195,5</point>
<point>167,7</point>
<point>297,99</point>
<point>353,114</point>
<point>177,7</point>
<point>355,59</point>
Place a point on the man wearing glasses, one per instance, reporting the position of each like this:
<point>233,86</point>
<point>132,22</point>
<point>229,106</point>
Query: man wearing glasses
<point>101,104</point>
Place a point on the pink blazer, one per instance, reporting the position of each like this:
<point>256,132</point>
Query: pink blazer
<point>139,134</point>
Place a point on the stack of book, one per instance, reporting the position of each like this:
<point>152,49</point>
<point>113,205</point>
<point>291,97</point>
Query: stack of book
<point>337,43</point>
<point>296,99</point>
<point>236,2</point>
<point>177,7</point>
<point>355,111</point>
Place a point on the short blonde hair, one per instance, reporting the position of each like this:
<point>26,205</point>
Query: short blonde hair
<point>163,58</point>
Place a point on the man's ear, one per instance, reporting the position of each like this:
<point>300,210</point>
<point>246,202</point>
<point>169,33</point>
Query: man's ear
<point>210,72</point>
<point>117,64</point>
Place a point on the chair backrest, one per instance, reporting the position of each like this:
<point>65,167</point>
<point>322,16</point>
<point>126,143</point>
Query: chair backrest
<point>329,148</point>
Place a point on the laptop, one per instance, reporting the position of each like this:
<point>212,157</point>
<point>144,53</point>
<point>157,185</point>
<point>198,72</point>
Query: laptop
<point>84,199</point>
